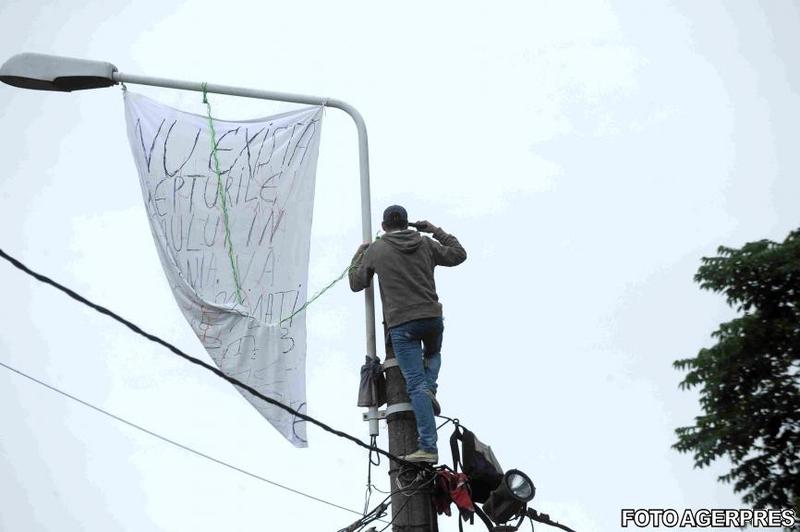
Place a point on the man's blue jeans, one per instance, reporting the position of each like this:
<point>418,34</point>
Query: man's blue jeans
<point>412,341</point>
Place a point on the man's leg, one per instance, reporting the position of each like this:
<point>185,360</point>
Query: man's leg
<point>407,344</point>
<point>432,345</point>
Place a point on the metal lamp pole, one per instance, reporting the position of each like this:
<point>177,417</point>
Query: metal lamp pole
<point>67,74</point>
<point>363,156</point>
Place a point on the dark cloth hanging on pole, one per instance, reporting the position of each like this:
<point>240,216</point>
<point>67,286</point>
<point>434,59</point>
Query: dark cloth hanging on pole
<point>372,390</point>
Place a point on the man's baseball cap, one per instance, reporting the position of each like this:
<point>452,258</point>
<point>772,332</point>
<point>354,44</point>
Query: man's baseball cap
<point>395,215</point>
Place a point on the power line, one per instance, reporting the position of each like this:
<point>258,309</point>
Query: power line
<point>153,338</point>
<point>396,515</point>
<point>173,442</point>
<point>379,510</point>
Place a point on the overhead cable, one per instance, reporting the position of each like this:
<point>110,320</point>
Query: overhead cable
<point>175,443</point>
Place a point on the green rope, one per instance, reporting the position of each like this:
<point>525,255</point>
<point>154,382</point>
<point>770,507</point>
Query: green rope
<point>228,242</point>
<point>315,296</point>
<point>221,195</point>
<point>330,285</point>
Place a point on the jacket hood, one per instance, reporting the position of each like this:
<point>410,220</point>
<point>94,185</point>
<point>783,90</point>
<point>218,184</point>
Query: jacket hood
<point>407,240</point>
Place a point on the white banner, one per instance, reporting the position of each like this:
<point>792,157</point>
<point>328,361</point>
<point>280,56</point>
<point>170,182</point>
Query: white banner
<point>235,246</point>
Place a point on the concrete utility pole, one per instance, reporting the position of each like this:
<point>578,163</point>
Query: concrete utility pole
<point>415,512</point>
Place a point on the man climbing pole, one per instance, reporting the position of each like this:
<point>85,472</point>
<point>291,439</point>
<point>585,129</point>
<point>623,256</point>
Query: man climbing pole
<point>404,261</point>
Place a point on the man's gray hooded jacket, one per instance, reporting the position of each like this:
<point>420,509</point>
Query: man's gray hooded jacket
<point>404,261</point>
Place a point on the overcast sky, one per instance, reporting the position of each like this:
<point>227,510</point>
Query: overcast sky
<point>587,155</point>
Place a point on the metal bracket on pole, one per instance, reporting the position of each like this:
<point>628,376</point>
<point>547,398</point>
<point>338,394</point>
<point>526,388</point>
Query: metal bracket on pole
<point>398,407</point>
<point>373,416</point>
<point>391,409</point>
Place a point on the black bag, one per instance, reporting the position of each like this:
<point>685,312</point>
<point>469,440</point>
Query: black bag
<point>478,462</point>
<point>372,389</point>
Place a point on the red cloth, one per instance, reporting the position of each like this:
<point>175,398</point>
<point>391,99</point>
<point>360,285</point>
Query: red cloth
<point>453,487</point>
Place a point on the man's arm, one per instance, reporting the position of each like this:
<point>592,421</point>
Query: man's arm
<point>360,273</point>
<point>448,251</point>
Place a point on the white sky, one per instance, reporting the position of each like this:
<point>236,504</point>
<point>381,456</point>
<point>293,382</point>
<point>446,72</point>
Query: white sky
<point>587,154</point>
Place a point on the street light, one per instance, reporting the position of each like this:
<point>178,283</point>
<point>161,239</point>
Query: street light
<point>67,74</point>
<point>53,73</point>
<point>510,497</point>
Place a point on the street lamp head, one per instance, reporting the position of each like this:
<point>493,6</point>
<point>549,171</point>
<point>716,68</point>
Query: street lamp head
<point>510,497</point>
<point>56,73</point>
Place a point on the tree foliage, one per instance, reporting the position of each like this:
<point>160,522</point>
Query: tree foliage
<point>750,380</point>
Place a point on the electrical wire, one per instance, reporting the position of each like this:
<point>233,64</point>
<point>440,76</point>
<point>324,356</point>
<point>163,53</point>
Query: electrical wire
<point>153,338</point>
<point>173,442</point>
<point>396,514</point>
<point>453,420</point>
<point>411,489</point>
<point>376,512</point>
<point>373,515</point>
<point>376,488</point>
<point>373,441</point>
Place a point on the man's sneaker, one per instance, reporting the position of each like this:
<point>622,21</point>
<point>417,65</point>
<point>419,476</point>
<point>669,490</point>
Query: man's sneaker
<point>421,456</point>
<point>437,408</point>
